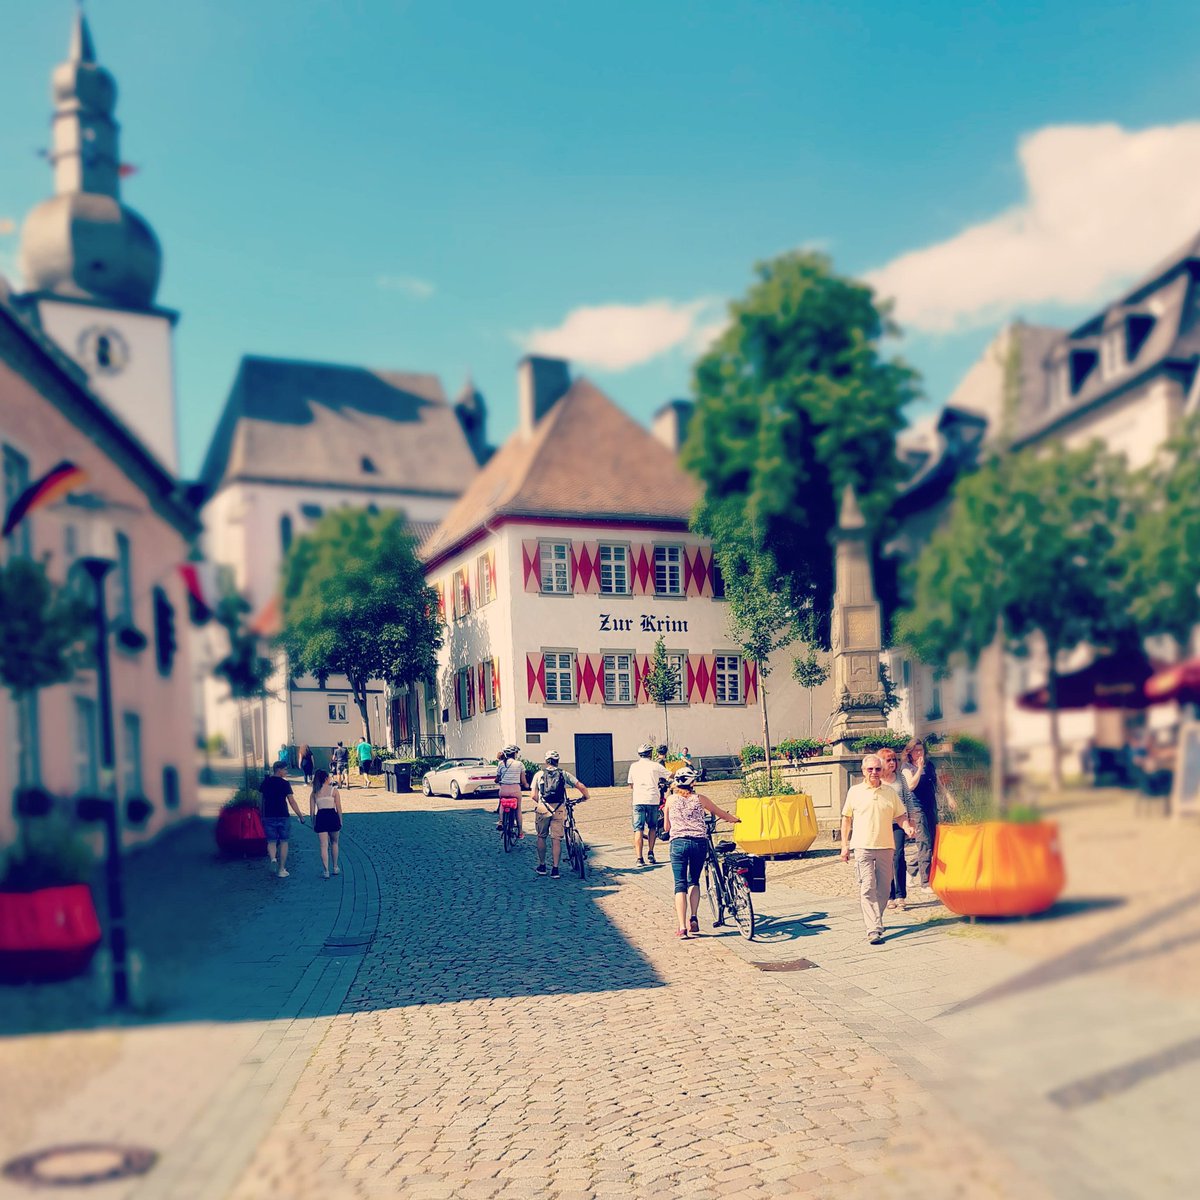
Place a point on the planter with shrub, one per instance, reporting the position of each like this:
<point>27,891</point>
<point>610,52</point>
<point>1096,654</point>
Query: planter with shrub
<point>773,818</point>
<point>48,925</point>
<point>240,831</point>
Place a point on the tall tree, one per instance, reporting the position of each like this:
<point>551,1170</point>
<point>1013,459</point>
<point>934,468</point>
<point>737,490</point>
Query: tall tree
<point>662,683</point>
<point>762,618</point>
<point>794,401</point>
<point>1160,551</point>
<point>45,629</point>
<point>809,672</point>
<point>245,668</point>
<point>1029,548</point>
<point>355,603</point>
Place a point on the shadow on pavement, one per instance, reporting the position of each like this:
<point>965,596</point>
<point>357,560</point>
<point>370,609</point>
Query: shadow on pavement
<point>440,911</point>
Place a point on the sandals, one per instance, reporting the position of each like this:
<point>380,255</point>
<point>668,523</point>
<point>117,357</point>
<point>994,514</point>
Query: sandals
<point>682,934</point>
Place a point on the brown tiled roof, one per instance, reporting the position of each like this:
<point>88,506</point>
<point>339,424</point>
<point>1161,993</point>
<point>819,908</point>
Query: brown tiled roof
<point>287,421</point>
<point>586,459</point>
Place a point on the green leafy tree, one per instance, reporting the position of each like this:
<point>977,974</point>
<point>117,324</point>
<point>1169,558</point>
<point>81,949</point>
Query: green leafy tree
<point>794,401</point>
<point>355,603</point>
<point>1028,548</point>
<point>245,669</point>
<point>45,629</point>
<point>662,682</point>
<point>809,672</point>
<point>1162,547</point>
<point>761,616</point>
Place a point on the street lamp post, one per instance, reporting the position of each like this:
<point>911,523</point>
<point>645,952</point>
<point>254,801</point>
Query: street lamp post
<point>97,568</point>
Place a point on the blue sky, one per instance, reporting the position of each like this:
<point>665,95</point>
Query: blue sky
<point>438,186</point>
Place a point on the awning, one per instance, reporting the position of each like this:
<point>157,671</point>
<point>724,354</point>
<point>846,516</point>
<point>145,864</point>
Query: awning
<point>1180,682</point>
<point>1115,681</point>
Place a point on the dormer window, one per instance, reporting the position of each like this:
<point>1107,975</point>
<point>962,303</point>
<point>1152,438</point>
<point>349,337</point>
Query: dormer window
<point>1082,364</point>
<point>368,466</point>
<point>1137,329</point>
<point>1112,357</point>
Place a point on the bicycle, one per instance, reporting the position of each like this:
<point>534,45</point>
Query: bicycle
<point>509,829</point>
<point>576,846</point>
<point>724,886</point>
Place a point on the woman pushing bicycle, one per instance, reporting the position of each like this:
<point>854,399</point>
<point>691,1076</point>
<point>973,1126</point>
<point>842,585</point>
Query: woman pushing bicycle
<point>684,821</point>
<point>510,775</point>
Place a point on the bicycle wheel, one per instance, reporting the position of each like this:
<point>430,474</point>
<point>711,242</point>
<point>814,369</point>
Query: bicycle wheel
<point>740,904</point>
<point>580,856</point>
<point>510,829</point>
<point>709,885</point>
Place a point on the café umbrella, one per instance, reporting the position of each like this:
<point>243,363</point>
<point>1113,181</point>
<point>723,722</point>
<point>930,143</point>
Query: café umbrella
<point>1179,682</point>
<point>1114,681</point>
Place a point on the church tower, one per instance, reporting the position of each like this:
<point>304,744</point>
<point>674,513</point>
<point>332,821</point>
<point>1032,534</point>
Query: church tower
<point>91,265</point>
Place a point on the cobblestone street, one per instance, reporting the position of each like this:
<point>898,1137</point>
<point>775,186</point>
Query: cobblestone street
<point>441,1022</point>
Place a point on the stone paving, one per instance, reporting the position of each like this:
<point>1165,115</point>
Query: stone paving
<point>440,1022</point>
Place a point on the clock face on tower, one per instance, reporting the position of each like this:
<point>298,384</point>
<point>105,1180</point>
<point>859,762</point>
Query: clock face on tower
<point>101,349</point>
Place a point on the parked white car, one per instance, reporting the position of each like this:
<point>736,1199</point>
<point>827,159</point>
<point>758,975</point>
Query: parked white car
<point>458,777</point>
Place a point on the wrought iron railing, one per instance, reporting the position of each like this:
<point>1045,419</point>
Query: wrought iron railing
<point>428,746</point>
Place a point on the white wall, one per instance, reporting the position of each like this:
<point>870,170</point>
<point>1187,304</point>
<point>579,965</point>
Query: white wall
<point>143,392</point>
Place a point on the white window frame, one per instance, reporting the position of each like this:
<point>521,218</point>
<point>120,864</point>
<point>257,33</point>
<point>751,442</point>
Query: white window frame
<point>463,689</point>
<point>487,669</point>
<point>556,568</point>
<point>724,675</point>
<point>562,670</point>
<point>462,594</point>
<point>337,709</point>
<point>483,583</point>
<point>620,666</point>
<point>679,660</point>
<point>613,567</point>
<point>672,564</point>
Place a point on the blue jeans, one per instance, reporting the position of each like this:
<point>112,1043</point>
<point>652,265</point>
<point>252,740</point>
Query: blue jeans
<point>687,861</point>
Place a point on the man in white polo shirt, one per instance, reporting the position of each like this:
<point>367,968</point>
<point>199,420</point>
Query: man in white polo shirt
<point>867,818</point>
<point>643,778</point>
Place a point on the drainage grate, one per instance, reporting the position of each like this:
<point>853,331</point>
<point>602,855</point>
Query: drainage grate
<point>791,964</point>
<point>79,1165</point>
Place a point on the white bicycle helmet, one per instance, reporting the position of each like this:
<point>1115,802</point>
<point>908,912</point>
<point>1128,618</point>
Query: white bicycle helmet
<point>645,750</point>
<point>552,757</point>
<point>685,777</point>
<point>511,751</point>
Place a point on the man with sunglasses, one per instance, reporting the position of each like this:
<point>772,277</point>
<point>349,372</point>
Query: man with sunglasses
<point>867,816</point>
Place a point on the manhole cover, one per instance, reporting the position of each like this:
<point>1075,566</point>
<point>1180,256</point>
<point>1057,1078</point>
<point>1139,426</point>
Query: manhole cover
<point>791,964</point>
<point>77,1166</point>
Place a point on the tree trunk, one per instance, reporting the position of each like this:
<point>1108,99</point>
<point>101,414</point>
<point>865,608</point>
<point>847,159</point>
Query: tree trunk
<point>762,699</point>
<point>359,690</point>
<point>999,724</point>
<point>666,729</point>
<point>1055,735</point>
<point>244,723</point>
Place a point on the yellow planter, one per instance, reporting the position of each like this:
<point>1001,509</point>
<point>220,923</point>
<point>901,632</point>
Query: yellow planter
<point>775,824</point>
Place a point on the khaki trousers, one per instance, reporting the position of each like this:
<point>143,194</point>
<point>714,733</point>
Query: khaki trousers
<point>874,869</point>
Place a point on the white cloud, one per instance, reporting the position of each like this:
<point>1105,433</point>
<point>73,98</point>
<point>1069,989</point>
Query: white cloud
<point>1103,205</point>
<point>410,285</point>
<point>616,337</point>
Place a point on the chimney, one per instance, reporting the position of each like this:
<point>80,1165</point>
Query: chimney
<point>541,383</point>
<point>670,424</point>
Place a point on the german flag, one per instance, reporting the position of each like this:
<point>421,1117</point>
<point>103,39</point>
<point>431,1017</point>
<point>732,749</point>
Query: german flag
<point>56,483</point>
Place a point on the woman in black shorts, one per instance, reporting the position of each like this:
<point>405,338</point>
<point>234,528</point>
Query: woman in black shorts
<point>326,809</point>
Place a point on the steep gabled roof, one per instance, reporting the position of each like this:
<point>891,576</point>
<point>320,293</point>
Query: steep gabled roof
<point>586,459</point>
<point>287,421</point>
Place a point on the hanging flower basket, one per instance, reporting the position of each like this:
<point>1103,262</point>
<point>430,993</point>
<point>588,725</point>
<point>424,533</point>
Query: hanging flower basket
<point>997,869</point>
<point>48,934</point>
<point>240,832</point>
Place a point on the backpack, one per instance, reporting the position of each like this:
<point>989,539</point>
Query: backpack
<point>554,788</point>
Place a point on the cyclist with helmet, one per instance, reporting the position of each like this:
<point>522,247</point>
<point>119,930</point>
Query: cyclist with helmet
<point>689,845</point>
<point>549,791</point>
<point>646,780</point>
<point>510,775</point>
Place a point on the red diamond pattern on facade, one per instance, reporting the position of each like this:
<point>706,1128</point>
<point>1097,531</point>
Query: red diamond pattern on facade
<point>643,571</point>
<point>531,564</point>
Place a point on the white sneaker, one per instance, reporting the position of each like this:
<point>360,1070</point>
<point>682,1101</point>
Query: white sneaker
<point>324,874</point>
<point>272,864</point>
<point>284,874</point>
<point>337,870</point>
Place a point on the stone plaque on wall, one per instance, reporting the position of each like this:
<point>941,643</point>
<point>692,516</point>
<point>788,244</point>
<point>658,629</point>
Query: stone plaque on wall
<point>862,628</point>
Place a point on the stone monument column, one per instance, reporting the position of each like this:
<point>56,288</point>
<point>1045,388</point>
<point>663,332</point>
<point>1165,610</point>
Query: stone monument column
<point>855,633</point>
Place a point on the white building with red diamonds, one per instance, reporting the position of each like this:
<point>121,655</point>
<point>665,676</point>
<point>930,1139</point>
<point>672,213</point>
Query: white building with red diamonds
<point>558,569</point>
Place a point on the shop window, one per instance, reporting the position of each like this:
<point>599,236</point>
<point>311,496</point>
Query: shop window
<point>556,568</point>
<point>668,570</point>
<point>728,671</point>
<point>618,678</point>
<point>614,570</point>
<point>560,677</point>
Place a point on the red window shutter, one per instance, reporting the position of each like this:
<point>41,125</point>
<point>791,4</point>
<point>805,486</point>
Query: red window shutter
<point>531,565</point>
<point>495,683</point>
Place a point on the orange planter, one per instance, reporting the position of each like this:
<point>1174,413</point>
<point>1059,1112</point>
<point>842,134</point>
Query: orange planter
<point>48,934</point>
<point>997,869</point>
<point>240,831</point>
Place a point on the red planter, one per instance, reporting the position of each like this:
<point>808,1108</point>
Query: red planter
<point>240,831</point>
<point>47,935</point>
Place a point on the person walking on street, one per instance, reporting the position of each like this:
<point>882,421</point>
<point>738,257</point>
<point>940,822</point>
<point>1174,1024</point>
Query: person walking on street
<point>276,796</point>
<point>921,776</point>
<point>549,792</point>
<point>325,807</point>
<point>365,754</point>
<point>644,779</point>
<point>510,775</point>
<point>894,777</point>
<point>306,762</point>
<point>339,760</point>
<point>867,818</point>
<point>684,814</point>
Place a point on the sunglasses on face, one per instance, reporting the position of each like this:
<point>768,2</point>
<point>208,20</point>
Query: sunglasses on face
<point>871,770</point>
